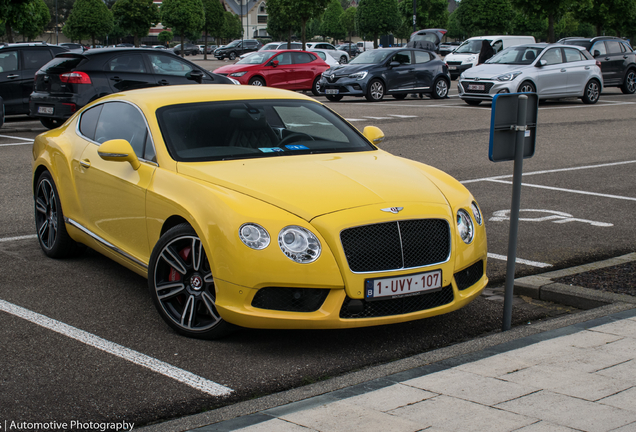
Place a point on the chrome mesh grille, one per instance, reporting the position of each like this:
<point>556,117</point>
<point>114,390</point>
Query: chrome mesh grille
<point>396,245</point>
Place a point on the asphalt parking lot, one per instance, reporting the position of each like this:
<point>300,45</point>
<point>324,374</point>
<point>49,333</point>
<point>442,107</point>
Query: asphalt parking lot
<point>81,339</point>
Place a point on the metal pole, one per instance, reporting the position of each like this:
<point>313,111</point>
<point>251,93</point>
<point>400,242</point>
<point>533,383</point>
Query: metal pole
<point>57,41</point>
<point>414,15</point>
<point>522,105</point>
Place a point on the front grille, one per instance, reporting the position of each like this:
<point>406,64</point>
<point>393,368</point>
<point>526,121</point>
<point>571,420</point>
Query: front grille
<point>399,306</point>
<point>469,276</point>
<point>396,245</point>
<point>290,299</point>
<point>454,63</point>
<point>487,86</point>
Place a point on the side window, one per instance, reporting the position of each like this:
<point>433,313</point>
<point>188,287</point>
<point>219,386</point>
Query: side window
<point>127,63</point>
<point>296,46</point>
<point>573,55</point>
<point>613,47</point>
<point>163,64</point>
<point>9,61</point>
<point>600,47</point>
<point>283,59</point>
<point>302,57</point>
<point>35,59</point>
<point>403,57</point>
<point>320,54</point>
<point>119,120</point>
<point>88,122</point>
<point>553,56</point>
<point>422,57</point>
<point>626,47</point>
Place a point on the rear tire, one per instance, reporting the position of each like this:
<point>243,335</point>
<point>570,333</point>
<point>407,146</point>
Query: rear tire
<point>592,92</point>
<point>440,89</point>
<point>629,85</point>
<point>50,123</point>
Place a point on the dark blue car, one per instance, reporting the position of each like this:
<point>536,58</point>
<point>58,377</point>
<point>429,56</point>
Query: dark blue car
<point>387,71</point>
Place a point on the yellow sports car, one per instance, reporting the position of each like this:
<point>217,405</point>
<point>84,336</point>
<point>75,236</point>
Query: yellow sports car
<point>256,207</point>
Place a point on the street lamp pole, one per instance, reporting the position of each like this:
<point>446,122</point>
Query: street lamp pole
<point>57,41</point>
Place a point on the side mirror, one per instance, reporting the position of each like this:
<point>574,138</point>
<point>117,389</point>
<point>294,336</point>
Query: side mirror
<point>394,64</point>
<point>119,150</point>
<point>195,75</point>
<point>273,63</point>
<point>596,53</point>
<point>373,134</point>
<point>541,63</point>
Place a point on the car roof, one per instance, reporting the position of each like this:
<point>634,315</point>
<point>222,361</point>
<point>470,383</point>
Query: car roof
<point>96,51</point>
<point>27,45</point>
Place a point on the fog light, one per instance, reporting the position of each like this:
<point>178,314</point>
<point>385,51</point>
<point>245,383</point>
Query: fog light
<point>503,91</point>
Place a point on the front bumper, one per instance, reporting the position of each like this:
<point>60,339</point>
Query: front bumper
<point>345,86</point>
<point>455,69</point>
<point>468,89</point>
<point>63,106</point>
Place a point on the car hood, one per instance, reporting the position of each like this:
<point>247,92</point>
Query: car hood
<point>313,185</point>
<point>349,69</point>
<point>488,71</point>
<point>233,68</point>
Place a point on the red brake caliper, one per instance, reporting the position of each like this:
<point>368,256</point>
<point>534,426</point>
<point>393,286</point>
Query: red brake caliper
<point>175,275</point>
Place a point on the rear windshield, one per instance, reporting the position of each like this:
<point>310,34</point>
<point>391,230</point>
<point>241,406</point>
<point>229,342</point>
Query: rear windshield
<point>247,129</point>
<point>61,65</point>
<point>471,46</point>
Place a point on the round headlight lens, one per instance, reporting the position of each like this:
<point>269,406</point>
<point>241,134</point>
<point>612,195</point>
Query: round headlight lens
<point>465,226</point>
<point>254,236</point>
<point>476,213</point>
<point>299,244</point>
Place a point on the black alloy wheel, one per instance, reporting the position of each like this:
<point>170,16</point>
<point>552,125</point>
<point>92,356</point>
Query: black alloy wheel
<point>592,92</point>
<point>232,55</point>
<point>334,98</point>
<point>440,89</point>
<point>375,91</point>
<point>629,85</point>
<point>49,220</point>
<point>182,286</point>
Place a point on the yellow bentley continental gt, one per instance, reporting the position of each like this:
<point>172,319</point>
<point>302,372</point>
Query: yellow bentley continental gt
<point>259,208</point>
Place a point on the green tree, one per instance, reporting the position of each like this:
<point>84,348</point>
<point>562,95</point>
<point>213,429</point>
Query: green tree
<point>64,8</point>
<point>15,14</point>
<point>165,37</point>
<point>280,22</point>
<point>348,22</point>
<point>430,13</point>
<point>550,9</point>
<point>136,17</point>
<point>214,21</point>
<point>455,29</point>
<point>378,17</point>
<point>232,28</point>
<point>314,28</point>
<point>485,17</point>
<point>39,17</point>
<point>182,16</point>
<point>523,24</point>
<point>89,18</point>
<point>331,21</point>
<point>303,11</point>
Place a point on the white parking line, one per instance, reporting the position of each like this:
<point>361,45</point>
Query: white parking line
<point>24,237</point>
<point>18,138</point>
<point>183,376</point>
<point>16,144</point>
<point>519,261</point>
<point>567,190</point>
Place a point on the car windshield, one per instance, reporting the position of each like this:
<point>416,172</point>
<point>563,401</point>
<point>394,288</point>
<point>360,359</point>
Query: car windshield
<point>248,129</point>
<point>255,58</point>
<point>233,44</point>
<point>521,55</point>
<point>270,46</point>
<point>470,47</point>
<point>372,57</point>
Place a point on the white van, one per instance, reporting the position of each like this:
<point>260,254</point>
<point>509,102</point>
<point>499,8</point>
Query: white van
<point>365,45</point>
<point>467,54</point>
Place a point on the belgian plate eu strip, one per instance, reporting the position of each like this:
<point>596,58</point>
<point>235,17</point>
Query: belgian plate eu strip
<point>185,377</point>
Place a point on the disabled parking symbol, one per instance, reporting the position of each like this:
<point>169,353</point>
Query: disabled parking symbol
<point>544,216</point>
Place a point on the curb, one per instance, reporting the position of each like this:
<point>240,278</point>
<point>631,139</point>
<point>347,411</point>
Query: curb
<point>542,287</point>
<point>598,308</point>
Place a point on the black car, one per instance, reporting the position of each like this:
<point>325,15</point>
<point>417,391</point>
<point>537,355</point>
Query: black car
<point>18,64</point>
<point>236,48</point>
<point>426,39</point>
<point>394,71</point>
<point>351,49</point>
<point>70,81</point>
<point>190,49</point>
<point>617,58</point>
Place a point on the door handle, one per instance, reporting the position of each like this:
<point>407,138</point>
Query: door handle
<point>163,82</point>
<point>116,79</point>
<point>607,58</point>
<point>85,163</point>
<point>563,70</point>
<point>624,56</point>
<point>587,68</point>
<point>13,76</point>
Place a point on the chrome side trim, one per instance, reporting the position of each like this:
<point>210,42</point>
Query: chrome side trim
<point>104,242</point>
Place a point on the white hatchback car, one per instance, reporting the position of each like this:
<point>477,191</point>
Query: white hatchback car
<point>341,57</point>
<point>551,71</point>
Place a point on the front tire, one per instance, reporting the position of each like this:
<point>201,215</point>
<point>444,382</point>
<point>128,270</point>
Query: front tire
<point>375,91</point>
<point>315,87</point>
<point>629,85</point>
<point>49,220</point>
<point>440,89</point>
<point>527,87</point>
<point>334,98</point>
<point>50,123</point>
<point>232,55</point>
<point>592,92</point>
<point>256,81</point>
<point>182,286</point>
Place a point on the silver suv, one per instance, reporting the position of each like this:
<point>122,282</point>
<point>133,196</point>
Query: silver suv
<point>552,71</point>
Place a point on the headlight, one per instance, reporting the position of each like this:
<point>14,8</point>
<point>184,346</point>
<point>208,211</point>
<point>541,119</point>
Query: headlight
<point>238,74</point>
<point>359,75</point>
<point>469,59</point>
<point>254,236</point>
<point>299,244</point>
<point>465,226</point>
<point>476,213</point>
<point>507,76</point>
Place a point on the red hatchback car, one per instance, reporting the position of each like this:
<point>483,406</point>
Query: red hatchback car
<point>286,69</point>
